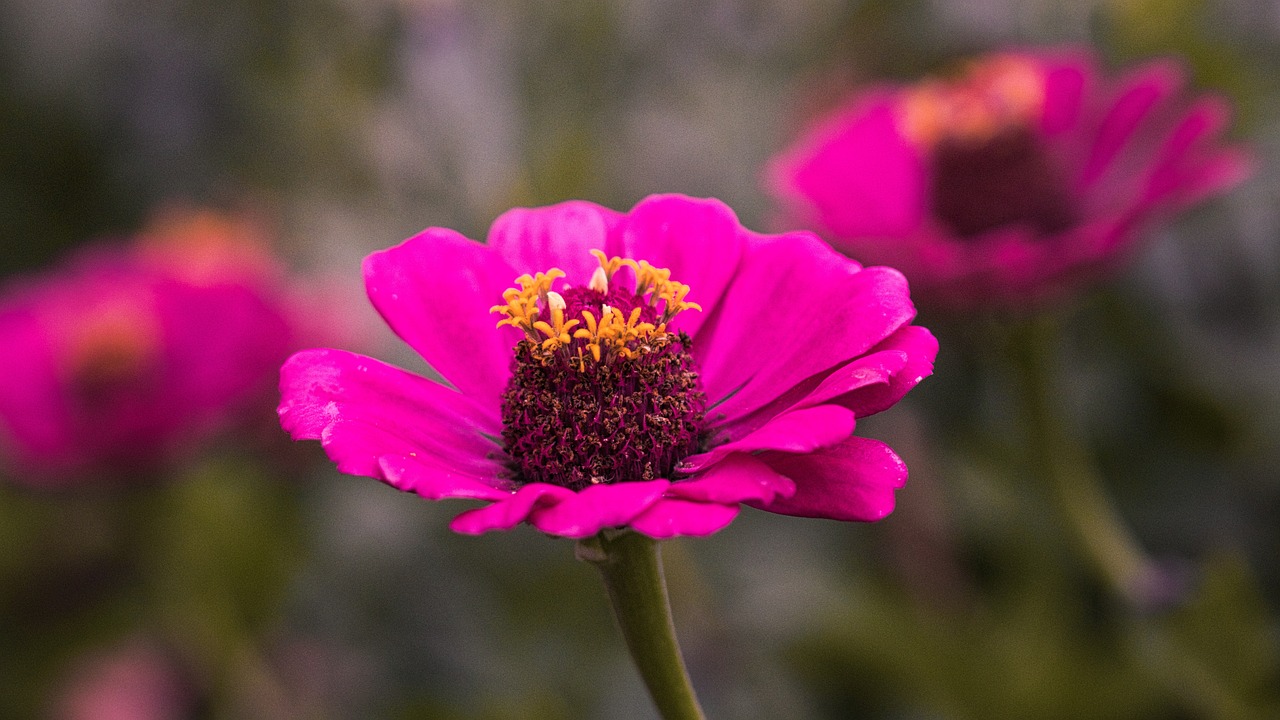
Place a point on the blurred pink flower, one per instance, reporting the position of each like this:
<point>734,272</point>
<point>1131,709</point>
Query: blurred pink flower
<point>1011,181</point>
<point>126,354</point>
<point>606,397</point>
<point>137,681</point>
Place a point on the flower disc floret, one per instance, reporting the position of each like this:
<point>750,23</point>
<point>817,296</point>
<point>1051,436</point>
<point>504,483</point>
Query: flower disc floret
<point>618,400</point>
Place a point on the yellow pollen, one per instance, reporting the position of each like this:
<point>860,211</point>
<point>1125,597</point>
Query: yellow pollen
<point>539,312</point>
<point>989,95</point>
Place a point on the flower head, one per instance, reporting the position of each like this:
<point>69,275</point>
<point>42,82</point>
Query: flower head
<point>129,352</point>
<point>602,361</point>
<point>651,370</point>
<point>1010,180</point>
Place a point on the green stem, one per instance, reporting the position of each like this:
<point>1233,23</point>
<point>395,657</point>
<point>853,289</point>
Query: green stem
<point>1059,456</point>
<point>632,572</point>
<point>1104,539</point>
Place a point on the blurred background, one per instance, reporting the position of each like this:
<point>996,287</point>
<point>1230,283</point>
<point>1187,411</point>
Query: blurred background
<point>253,580</point>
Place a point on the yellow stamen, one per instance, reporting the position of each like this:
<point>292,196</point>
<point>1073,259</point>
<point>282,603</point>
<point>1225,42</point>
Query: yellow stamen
<point>521,308</point>
<point>649,278</point>
<point>610,265</point>
<point>540,312</point>
<point>989,96</point>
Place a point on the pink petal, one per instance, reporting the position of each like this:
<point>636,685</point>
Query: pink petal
<point>1067,79</point>
<point>800,431</point>
<point>737,478</point>
<point>856,174</point>
<point>853,480</point>
<point>538,239</point>
<point>35,422</point>
<point>594,508</point>
<point>917,344</point>
<point>670,518</point>
<point>435,480</point>
<point>869,373</point>
<point>511,511</point>
<point>1139,94</point>
<point>1187,170</point>
<point>435,290</point>
<point>699,240</point>
<point>1218,171</point>
<point>731,349</point>
<point>361,409</point>
<point>237,324</point>
<point>867,385</point>
<point>793,312</point>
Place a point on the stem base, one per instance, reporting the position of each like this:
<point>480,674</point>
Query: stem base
<point>632,572</point>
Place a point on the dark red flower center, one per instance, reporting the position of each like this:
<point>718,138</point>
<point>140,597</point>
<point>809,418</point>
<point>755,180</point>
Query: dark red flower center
<point>600,391</point>
<point>990,167</point>
<point>111,352</point>
<point>1007,179</point>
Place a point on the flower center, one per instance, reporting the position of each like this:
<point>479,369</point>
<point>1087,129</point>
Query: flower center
<point>111,350</point>
<point>601,391</point>
<point>990,167</point>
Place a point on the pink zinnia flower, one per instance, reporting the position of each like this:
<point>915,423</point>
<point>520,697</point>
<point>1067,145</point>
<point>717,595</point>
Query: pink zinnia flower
<point>128,353</point>
<point>612,394</point>
<point>1013,179</point>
